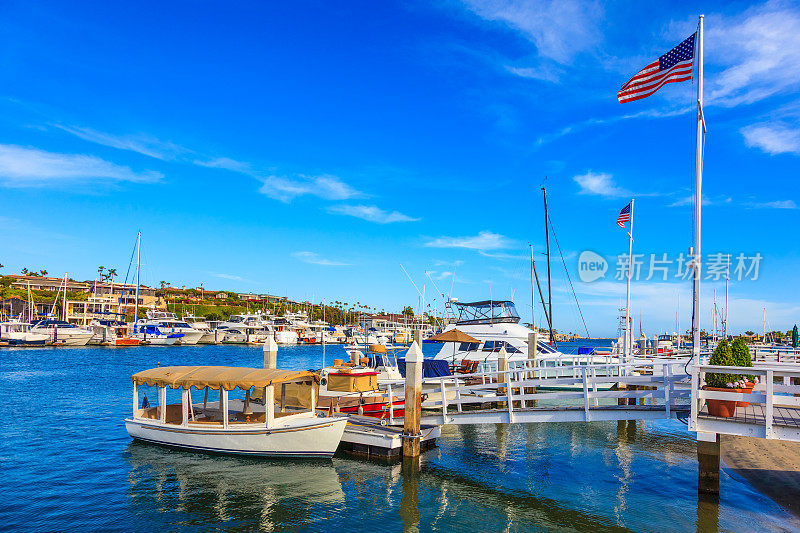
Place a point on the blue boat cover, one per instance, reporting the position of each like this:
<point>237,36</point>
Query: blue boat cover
<point>585,350</point>
<point>431,368</point>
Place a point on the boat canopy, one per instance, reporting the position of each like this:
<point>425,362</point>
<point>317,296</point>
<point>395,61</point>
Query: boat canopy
<point>485,312</point>
<point>214,377</point>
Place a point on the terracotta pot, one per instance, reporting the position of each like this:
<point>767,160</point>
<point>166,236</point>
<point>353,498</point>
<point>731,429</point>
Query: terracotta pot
<point>747,390</point>
<point>723,408</point>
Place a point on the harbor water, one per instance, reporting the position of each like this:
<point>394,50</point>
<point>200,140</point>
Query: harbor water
<point>68,464</point>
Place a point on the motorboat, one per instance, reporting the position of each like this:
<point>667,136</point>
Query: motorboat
<point>353,388</point>
<point>62,332</point>
<point>151,334</point>
<point>169,323</point>
<point>109,332</point>
<point>495,324</point>
<point>284,334</point>
<point>234,425</point>
<point>18,333</point>
<point>246,328</point>
<point>210,336</point>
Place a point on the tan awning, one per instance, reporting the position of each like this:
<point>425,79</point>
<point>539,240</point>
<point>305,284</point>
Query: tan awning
<point>214,377</point>
<point>453,335</point>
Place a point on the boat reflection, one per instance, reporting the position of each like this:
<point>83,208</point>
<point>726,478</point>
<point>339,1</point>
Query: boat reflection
<point>209,489</point>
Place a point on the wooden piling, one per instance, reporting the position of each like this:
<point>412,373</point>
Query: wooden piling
<point>707,463</point>
<point>270,353</point>
<point>413,400</point>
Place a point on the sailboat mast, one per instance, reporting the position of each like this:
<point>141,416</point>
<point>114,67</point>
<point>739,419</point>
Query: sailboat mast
<point>533,294</point>
<point>549,283</point>
<point>727,279</point>
<point>64,311</point>
<point>138,263</point>
<point>698,185</point>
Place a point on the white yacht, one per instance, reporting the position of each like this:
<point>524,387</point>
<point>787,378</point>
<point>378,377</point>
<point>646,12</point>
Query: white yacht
<point>61,332</point>
<point>210,336</point>
<point>247,328</point>
<point>18,333</point>
<point>152,335</point>
<point>169,323</point>
<point>496,325</point>
<point>284,334</point>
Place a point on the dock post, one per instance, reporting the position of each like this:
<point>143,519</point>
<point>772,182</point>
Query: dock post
<point>502,376</point>
<point>413,402</point>
<point>271,353</point>
<point>533,339</point>
<point>707,463</point>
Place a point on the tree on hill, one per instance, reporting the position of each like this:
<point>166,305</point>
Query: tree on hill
<point>408,311</point>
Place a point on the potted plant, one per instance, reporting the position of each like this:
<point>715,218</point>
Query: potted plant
<point>741,357</point>
<point>723,356</point>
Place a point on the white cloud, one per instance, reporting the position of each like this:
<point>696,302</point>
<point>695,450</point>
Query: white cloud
<point>228,276</point>
<point>541,72</point>
<point>778,204</point>
<point>559,29</point>
<point>756,50</point>
<point>226,163</point>
<point>315,259</point>
<point>485,240</point>
<point>325,186</point>
<point>140,143</point>
<point>772,138</point>
<point>599,183</point>
<point>21,167</point>
<point>440,262</point>
<point>371,213</point>
<point>689,200</point>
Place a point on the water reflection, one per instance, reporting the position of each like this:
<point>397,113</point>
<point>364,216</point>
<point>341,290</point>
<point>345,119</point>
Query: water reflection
<point>254,493</point>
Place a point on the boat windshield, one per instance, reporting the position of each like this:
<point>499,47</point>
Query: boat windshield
<point>486,312</point>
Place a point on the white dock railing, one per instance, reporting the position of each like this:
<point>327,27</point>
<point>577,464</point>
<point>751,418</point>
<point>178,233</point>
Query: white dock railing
<point>775,393</point>
<point>466,398</point>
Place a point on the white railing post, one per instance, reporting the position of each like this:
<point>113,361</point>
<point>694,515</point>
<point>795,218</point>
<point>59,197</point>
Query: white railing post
<point>458,394</point>
<point>391,405</point>
<point>666,372</point>
<point>695,397</point>
<point>585,395</point>
<point>510,399</point>
<point>444,401</point>
<point>770,398</point>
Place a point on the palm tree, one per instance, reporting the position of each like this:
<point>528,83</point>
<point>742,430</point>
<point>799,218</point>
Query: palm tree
<point>24,271</point>
<point>43,272</point>
<point>112,272</point>
<point>1,265</point>
<point>100,271</point>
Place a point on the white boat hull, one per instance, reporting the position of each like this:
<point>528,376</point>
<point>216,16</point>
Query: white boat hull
<point>72,339</point>
<point>307,437</point>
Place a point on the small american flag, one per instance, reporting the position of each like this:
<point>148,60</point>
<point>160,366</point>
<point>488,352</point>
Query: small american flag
<point>624,216</point>
<point>674,66</point>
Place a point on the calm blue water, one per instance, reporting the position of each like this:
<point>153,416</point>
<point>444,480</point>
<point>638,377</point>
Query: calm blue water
<point>67,464</point>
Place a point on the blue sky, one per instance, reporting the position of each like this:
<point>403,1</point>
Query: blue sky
<point>308,148</point>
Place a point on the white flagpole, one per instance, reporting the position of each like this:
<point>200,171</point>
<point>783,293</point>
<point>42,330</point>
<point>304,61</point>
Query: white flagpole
<point>628,342</point>
<point>698,199</point>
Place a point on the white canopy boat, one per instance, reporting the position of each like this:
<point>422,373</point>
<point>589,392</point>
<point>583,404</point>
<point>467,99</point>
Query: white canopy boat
<point>234,426</point>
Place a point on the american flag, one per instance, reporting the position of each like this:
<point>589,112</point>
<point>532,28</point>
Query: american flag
<point>674,66</point>
<point>624,216</point>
